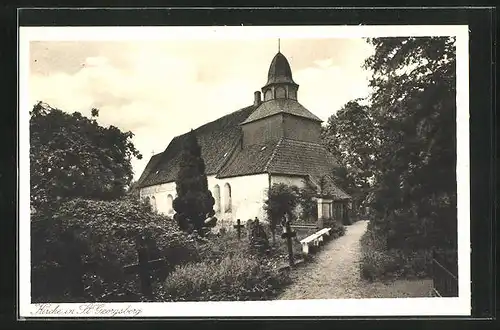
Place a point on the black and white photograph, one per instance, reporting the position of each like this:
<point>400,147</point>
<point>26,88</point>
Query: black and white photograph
<point>244,171</point>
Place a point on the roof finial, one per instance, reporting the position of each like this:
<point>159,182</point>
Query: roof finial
<point>278,45</point>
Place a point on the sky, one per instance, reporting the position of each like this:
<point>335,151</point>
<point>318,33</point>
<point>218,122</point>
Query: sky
<point>161,89</point>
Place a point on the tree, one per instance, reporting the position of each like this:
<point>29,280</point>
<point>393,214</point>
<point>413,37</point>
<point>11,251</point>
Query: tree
<point>281,200</point>
<point>350,136</point>
<point>76,165</point>
<point>194,202</point>
<point>133,190</point>
<point>73,156</point>
<point>414,105</point>
<point>308,205</point>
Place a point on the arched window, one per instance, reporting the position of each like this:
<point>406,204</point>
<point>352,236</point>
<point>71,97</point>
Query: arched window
<point>153,203</point>
<point>227,198</point>
<point>217,198</point>
<point>170,202</point>
<point>280,93</point>
<point>268,95</point>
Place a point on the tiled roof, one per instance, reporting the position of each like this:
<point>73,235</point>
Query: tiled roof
<point>286,157</point>
<point>153,161</point>
<point>301,158</point>
<point>330,188</point>
<point>247,161</point>
<point>275,106</point>
<point>217,140</point>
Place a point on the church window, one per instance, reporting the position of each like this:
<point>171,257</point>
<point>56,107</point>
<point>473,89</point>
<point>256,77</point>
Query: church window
<point>217,198</point>
<point>153,203</point>
<point>280,93</point>
<point>170,202</point>
<point>268,95</point>
<point>227,198</point>
<point>292,94</point>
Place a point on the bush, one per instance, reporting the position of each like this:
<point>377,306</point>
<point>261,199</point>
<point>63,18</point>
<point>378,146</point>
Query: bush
<point>281,201</point>
<point>338,228</point>
<point>102,235</point>
<point>380,263</point>
<point>236,277</point>
<point>217,247</point>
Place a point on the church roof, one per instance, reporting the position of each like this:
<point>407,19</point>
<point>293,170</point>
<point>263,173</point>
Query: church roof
<point>275,106</point>
<point>329,187</point>
<point>301,158</point>
<point>217,140</point>
<point>285,156</point>
<point>221,150</point>
<point>279,71</point>
<point>149,167</point>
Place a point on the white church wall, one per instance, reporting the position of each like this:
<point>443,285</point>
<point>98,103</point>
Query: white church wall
<point>246,198</point>
<point>164,194</point>
<point>288,180</point>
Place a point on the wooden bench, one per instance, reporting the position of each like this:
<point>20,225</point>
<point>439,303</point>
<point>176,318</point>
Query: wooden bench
<point>314,240</point>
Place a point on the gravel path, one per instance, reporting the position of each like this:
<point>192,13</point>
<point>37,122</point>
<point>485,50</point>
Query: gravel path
<point>335,274</point>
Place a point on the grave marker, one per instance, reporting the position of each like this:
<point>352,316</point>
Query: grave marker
<point>288,234</point>
<point>238,227</point>
<point>144,267</point>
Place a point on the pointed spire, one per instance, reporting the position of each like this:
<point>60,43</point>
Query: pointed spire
<point>279,45</point>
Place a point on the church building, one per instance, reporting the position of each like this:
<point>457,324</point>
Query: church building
<point>274,140</point>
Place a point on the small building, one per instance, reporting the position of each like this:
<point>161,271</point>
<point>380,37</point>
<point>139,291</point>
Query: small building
<point>274,140</point>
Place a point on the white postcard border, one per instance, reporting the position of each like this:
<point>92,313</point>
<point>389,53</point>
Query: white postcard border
<point>295,308</point>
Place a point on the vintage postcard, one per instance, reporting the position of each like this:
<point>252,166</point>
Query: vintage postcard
<point>244,171</point>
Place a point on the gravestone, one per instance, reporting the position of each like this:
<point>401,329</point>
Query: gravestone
<point>259,243</point>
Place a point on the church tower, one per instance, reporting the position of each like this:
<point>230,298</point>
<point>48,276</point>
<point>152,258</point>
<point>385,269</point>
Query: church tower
<point>280,115</point>
<point>280,84</point>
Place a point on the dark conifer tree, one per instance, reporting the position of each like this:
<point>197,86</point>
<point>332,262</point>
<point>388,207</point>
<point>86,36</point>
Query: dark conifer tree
<point>194,203</point>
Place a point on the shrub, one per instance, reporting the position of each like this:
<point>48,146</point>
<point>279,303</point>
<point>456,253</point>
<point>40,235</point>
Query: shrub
<point>102,235</point>
<point>380,263</point>
<point>338,229</point>
<point>237,277</point>
<point>281,200</point>
<point>216,247</point>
